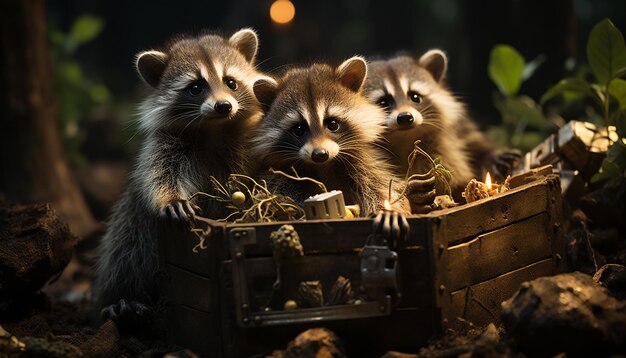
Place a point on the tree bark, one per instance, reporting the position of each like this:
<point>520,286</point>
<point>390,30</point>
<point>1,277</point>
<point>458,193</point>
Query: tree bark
<point>33,167</point>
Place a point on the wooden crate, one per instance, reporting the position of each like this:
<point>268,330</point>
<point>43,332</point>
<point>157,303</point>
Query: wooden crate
<point>459,262</point>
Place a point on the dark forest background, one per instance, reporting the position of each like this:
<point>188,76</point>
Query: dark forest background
<point>88,49</point>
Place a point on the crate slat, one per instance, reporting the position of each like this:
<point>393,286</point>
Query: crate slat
<point>481,303</point>
<point>500,251</point>
<point>188,288</point>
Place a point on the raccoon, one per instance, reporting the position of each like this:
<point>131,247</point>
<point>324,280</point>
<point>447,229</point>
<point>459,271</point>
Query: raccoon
<point>194,121</point>
<point>418,106</point>
<point>319,124</point>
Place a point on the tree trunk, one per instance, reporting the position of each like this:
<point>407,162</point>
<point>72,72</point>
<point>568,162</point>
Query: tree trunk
<point>33,168</point>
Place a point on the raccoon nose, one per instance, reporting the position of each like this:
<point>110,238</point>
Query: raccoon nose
<point>319,155</point>
<point>223,107</point>
<point>405,118</point>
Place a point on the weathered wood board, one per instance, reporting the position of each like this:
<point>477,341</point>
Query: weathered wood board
<point>459,262</point>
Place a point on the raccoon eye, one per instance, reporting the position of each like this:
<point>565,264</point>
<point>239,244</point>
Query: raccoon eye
<point>415,97</point>
<point>195,88</point>
<point>299,130</point>
<point>332,124</point>
<point>385,101</point>
<point>232,84</point>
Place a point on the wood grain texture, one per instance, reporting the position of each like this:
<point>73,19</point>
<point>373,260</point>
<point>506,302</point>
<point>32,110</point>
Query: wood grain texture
<point>481,303</point>
<point>499,251</point>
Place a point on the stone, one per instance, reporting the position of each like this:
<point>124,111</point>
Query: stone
<point>613,277</point>
<point>315,342</point>
<point>565,313</point>
<point>35,245</point>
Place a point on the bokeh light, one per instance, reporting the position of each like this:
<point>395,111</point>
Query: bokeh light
<point>282,11</point>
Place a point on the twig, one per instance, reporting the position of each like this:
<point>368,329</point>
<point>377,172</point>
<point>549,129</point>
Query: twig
<point>299,178</point>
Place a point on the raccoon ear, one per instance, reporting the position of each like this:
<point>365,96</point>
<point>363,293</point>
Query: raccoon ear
<point>151,65</point>
<point>351,73</point>
<point>245,41</point>
<point>436,62</point>
<point>265,91</point>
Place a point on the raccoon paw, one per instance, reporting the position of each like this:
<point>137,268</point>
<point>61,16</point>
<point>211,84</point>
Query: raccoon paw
<point>392,225</point>
<point>504,163</point>
<point>128,315</point>
<point>179,214</point>
<point>421,195</point>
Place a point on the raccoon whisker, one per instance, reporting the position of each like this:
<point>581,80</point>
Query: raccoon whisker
<point>385,149</point>
<point>433,125</point>
<point>188,124</point>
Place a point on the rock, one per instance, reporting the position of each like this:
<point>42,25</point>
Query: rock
<point>565,313</point>
<point>34,246</point>
<point>315,342</point>
<point>581,255</point>
<point>613,277</point>
<point>605,205</point>
<point>606,241</point>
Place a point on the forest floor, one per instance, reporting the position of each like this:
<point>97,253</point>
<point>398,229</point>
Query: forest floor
<point>61,321</point>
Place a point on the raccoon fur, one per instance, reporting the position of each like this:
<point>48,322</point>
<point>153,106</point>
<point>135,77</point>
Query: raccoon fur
<point>418,106</point>
<point>194,121</point>
<point>319,124</point>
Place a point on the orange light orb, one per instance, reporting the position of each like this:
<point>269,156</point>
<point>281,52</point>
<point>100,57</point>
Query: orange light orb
<point>282,11</point>
<point>488,181</point>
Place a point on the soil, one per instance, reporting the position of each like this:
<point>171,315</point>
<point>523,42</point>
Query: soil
<point>60,319</point>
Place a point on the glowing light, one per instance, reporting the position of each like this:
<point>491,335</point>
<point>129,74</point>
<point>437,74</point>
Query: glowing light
<point>387,205</point>
<point>282,11</point>
<point>488,181</point>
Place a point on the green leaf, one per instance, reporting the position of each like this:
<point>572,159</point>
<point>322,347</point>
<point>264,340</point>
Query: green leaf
<point>86,28</point>
<point>100,94</point>
<point>606,52</point>
<point>532,66</point>
<point>530,140</point>
<point>506,67</point>
<point>613,165</point>
<point>498,135</point>
<point>617,89</point>
<point>71,72</point>
<point>524,109</point>
<point>570,85</point>
<point>608,170</point>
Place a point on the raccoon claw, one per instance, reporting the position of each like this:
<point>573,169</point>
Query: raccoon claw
<point>421,195</point>
<point>392,225</point>
<point>127,314</point>
<point>179,213</point>
<point>504,163</point>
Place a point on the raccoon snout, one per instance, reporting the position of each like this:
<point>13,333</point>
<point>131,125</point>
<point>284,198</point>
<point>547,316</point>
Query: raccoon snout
<point>319,155</point>
<point>405,119</point>
<point>223,107</point>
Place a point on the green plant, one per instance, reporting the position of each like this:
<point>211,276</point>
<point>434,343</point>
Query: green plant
<point>77,93</point>
<point>523,122</point>
<point>606,54</point>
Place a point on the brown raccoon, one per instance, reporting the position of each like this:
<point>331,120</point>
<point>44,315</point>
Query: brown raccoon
<point>319,123</point>
<point>195,120</point>
<point>419,106</point>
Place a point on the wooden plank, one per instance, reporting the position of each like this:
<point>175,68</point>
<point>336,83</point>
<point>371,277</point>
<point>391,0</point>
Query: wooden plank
<point>189,328</point>
<point>333,236</point>
<point>495,253</point>
<point>189,289</point>
<point>559,244</point>
<point>481,303</point>
<point>177,249</point>
<point>469,220</point>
